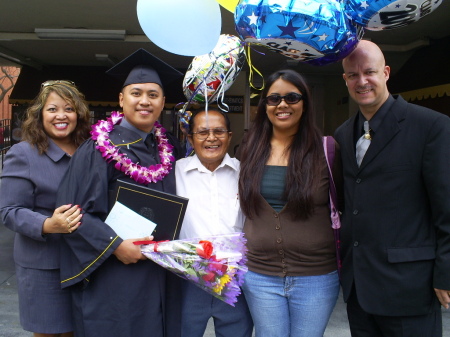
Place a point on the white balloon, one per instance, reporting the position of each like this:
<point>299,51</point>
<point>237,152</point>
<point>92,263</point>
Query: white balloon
<point>181,27</point>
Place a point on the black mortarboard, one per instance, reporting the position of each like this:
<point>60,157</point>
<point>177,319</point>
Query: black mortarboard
<point>143,67</point>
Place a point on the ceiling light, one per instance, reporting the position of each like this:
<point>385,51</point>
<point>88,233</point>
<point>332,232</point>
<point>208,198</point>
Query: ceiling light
<point>79,34</point>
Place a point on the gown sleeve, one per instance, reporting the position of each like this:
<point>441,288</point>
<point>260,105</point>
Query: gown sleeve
<point>86,184</point>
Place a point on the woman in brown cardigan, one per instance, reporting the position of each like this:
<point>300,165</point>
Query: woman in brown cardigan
<point>292,284</point>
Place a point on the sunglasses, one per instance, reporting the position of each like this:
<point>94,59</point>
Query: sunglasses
<point>291,98</point>
<point>50,83</point>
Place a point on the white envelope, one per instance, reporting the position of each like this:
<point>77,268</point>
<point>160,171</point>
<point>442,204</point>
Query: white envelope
<point>128,224</point>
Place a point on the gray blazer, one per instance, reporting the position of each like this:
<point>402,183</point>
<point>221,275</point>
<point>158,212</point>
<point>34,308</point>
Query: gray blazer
<point>27,197</point>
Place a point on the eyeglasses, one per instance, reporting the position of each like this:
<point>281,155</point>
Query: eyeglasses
<point>218,133</point>
<point>50,83</point>
<point>291,98</point>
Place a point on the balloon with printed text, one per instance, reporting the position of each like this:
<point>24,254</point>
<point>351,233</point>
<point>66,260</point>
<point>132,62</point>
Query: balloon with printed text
<point>315,31</point>
<point>378,15</point>
<point>210,75</point>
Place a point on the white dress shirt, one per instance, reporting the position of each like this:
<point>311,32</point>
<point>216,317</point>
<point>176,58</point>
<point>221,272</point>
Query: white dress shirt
<point>213,206</point>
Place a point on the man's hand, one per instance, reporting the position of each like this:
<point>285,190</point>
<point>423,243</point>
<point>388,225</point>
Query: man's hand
<point>443,296</point>
<point>128,252</point>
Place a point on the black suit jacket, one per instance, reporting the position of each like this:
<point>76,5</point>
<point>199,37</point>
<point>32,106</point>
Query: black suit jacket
<point>396,221</point>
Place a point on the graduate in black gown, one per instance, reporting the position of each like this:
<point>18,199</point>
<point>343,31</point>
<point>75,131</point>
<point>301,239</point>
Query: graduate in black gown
<point>116,290</point>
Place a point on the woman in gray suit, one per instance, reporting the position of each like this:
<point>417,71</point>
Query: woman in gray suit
<point>57,122</point>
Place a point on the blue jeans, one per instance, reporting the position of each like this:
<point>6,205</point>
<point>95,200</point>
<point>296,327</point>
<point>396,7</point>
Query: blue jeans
<point>198,307</point>
<point>291,306</point>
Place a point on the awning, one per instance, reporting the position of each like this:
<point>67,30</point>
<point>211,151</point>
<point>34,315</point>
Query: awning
<point>426,93</point>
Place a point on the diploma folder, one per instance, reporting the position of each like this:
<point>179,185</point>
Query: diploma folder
<point>165,209</point>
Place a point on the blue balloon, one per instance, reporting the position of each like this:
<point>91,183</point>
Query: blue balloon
<point>341,50</point>
<point>388,14</point>
<point>317,32</point>
<point>188,28</point>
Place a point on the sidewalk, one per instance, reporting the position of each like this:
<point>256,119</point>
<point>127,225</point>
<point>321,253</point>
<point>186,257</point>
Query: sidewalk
<point>9,312</point>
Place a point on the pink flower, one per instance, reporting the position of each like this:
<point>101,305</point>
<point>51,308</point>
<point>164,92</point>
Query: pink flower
<point>144,175</point>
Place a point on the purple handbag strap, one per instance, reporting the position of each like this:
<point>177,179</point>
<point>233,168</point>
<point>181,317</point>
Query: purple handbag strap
<point>329,150</point>
<point>329,155</point>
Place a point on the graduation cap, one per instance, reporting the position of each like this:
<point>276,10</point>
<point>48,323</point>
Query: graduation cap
<point>143,67</point>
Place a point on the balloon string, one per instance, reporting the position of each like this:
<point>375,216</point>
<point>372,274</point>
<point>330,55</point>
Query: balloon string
<point>206,98</point>
<point>252,70</point>
<point>220,101</point>
<point>250,46</point>
<point>234,69</point>
<point>221,91</point>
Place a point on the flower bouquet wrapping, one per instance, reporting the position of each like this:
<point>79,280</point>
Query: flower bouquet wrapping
<point>216,263</point>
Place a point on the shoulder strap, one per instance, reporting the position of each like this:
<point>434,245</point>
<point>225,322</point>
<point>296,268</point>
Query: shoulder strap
<point>329,149</point>
<point>328,146</point>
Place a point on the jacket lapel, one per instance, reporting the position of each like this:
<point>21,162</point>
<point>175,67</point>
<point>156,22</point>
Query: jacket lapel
<point>389,128</point>
<point>348,151</point>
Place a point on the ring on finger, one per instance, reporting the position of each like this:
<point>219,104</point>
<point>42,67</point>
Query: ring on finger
<point>68,220</point>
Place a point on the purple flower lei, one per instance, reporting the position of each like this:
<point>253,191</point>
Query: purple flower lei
<point>142,175</point>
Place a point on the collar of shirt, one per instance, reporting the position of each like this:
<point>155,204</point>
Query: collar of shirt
<point>54,152</point>
<point>376,120</point>
<point>128,126</point>
<point>195,164</point>
<point>213,197</point>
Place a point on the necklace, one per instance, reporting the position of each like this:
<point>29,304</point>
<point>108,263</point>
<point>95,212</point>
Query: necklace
<point>141,174</point>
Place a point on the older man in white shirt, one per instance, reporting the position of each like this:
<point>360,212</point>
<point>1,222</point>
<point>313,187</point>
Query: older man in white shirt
<point>209,179</point>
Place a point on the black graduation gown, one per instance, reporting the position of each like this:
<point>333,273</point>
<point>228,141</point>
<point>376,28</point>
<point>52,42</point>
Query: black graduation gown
<point>111,298</point>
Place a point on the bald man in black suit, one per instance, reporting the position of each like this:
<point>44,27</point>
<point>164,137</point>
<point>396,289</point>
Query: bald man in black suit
<point>396,222</point>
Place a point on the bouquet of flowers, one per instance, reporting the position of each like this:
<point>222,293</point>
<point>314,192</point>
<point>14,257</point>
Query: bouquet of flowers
<point>216,263</point>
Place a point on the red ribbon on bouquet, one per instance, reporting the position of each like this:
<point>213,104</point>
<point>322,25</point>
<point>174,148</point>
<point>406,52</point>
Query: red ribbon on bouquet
<point>149,242</point>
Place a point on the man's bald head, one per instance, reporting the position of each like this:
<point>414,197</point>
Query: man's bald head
<point>364,49</point>
<point>366,76</point>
